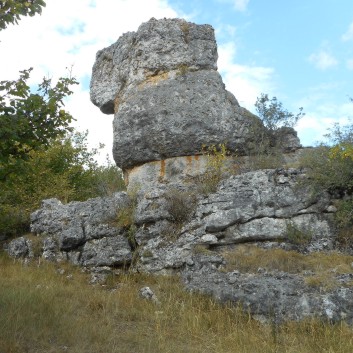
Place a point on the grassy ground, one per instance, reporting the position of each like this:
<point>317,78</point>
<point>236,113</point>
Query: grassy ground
<point>42,310</point>
<point>318,268</point>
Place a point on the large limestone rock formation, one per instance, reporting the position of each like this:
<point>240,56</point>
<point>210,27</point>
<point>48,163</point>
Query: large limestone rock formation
<point>162,84</point>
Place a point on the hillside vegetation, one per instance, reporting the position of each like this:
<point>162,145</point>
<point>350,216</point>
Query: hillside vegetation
<point>52,308</point>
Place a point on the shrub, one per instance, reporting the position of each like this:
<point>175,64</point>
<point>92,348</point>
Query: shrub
<point>330,165</point>
<point>269,131</point>
<point>126,214</point>
<point>180,205</point>
<point>66,170</point>
<point>344,222</point>
<point>327,171</point>
<point>273,115</point>
<point>215,168</point>
<point>297,236</point>
<point>330,168</point>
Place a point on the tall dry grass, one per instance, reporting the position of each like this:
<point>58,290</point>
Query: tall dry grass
<point>42,310</point>
<point>319,268</point>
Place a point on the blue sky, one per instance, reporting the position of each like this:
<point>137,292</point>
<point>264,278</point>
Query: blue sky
<point>300,51</point>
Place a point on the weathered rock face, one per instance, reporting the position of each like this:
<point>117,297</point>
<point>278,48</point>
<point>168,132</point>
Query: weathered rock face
<point>19,248</point>
<point>168,98</point>
<point>83,232</point>
<point>271,297</point>
<point>265,205</point>
<point>158,46</point>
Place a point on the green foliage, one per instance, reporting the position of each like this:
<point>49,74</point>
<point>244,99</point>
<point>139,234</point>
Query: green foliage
<point>327,171</point>
<point>269,131</point>
<point>108,179</point>
<point>297,236</point>
<point>126,213</point>
<point>330,169</point>
<point>330,165</point>
<point>215,168</point>
<point>273,115</point>
<point>29,121</point>
<point>125,218</point>
<point>66,170</point>
<point>12,10</point>
<point>344,222</point>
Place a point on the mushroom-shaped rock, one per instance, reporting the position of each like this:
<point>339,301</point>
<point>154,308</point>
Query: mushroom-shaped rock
<point>162,84</point>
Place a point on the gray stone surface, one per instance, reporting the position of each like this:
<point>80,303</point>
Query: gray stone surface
<point>113,252</point>
<point>168,98</point>
<point>19,248</point>
<point>147,293</point>
<point>263,205</point>
<point>270,297</point>
<point>84,233</point>
<point>158,46</point>
<point>288,139</point>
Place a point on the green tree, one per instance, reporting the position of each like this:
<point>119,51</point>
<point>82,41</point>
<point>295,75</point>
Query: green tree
<point>66,170</point>
<point>29,121</point>
<point>270,130</point>
<point>273,115</point>
<point>12,10</point>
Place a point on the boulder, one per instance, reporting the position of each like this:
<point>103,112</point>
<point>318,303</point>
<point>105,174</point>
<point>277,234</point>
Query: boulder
<point>111,252</point>
<point>19,248</point>
<point>84,233</point>
<point>168,98</point>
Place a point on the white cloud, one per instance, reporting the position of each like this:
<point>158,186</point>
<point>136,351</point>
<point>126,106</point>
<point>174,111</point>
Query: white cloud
<point>323,60</point>
<point>70,33</point>
<point>240,5</point>
<point>348,36</point>
<point>316,123</point>
<point>244,81</point>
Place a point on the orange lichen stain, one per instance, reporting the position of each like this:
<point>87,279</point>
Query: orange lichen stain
<point>126,174</point>
<point>162,170</point>
<point>154,79</point>
<point>197,157</point>
<point>117,102</point>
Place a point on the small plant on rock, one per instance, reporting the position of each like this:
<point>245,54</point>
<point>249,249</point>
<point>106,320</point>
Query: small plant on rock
<point>297,236</point>
<point>344,222</point>
<point>215,168</point>
<point>180,205</point>
<point>126,213</point>
<point>126,217</point>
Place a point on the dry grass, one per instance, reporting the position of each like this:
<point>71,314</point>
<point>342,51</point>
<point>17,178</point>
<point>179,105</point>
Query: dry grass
<point>44,311</point>
<point>322,267</point>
